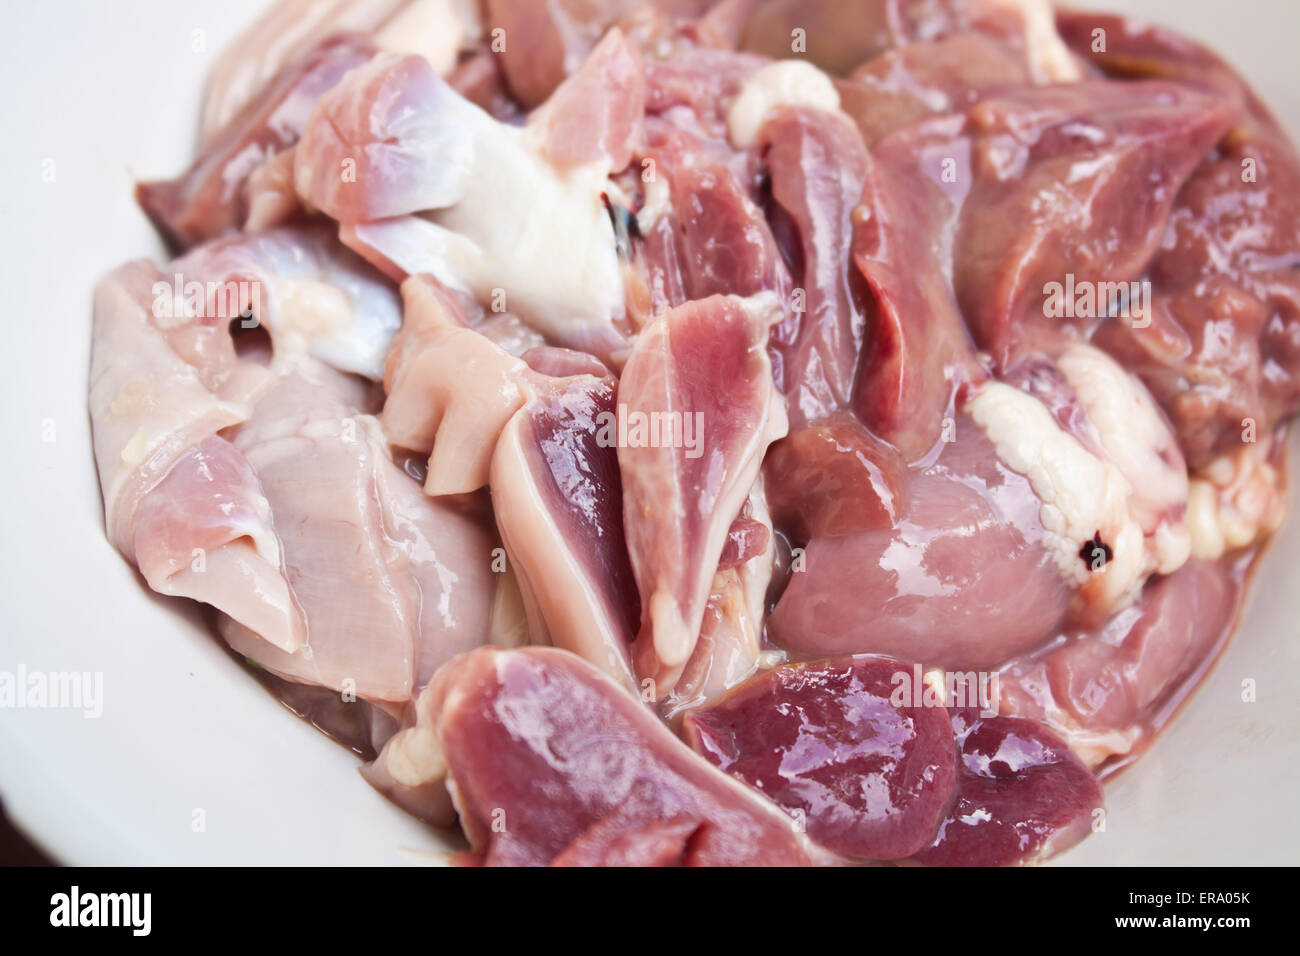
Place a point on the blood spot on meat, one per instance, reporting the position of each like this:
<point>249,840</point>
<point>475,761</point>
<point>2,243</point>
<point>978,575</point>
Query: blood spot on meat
<point>1096,554</point>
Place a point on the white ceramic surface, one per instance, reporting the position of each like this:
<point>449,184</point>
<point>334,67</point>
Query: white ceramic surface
<point>106,91</point>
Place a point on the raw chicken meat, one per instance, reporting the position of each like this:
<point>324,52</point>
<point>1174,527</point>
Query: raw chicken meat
<point>450,389</point>
<point>420,584</point>
<point>962,579</point>
<point>1021,796</point>
<point>679,432</point>
<point>209,198</point>
<point>437,29</point>
<point>817,166</point>
<point>1221,349</point>
<point>560,36</point>
<point>701,409</point>
<point>917,350</point>
<point>204,532</point>
<point>872,779</point>
<point>1096,692</point>
<point>179,500</point>
<point>909,83</point>
<point>1090,147</point>
<point>842,36</point>
<point>730,645</point>
<point>532,433</point>
<point>438,187</point>
<point>310,294</point>
<point>580,773</point>
<point>557,495</point>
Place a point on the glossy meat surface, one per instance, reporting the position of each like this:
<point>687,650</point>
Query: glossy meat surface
<point>1021,796</point>
<point>629,424</point>
<point>552,763</point>
<point>872,779</point>
<point>557,493</point>
<point>962,579</point>
<point>699,385</point>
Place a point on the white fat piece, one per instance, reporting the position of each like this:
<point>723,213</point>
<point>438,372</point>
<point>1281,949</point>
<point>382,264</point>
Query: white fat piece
<point>434,29</point>
<point>784,83</point>
<point>1081,495</point>
<point>1050,59</point>
<point>1131,491</point>
<point>324,306</point>
<point>656,204</point>
<point>313,316</point>
<point>1238,500</point>
<point>521,229</point>
<point>1134,435</point>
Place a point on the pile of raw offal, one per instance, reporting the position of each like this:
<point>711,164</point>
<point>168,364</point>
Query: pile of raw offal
<point>715,433</point>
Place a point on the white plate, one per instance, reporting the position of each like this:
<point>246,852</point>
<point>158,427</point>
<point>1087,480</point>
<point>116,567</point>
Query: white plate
<point>105,91</point>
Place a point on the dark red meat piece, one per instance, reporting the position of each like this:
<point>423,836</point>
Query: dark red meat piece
<point>871,779</point>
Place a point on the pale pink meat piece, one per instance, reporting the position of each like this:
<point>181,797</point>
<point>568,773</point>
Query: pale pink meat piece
<point>713,242</point>
<point>596,116</point>
<point>731,632</point>
<point>272,200</point>
<point>562,363</point>
<point>310,294</point>
<point>450,389</point>
<point>700,213</point>
<point>1102,690</point>
<point>703,224</point>
<point>443,189</point>
<point>179,501</point>
<point>838,36</point>
<point>702,80</point>
<point>148,404</point>
<point>817,164</point>
<point>479,79</point>
<point>917,351</point>
<point>1140,657</point>
<point>387,141</point>
<point>550,40</point>
<point>558,502</point>
<point>546,42</point>
<point>834,477</point>
<point>706,364</point>
<point>410,770</point>
<point>909,83</point>
<point>963,580</point>
<point>394,138</point>
<point>419,569</point>
<point>204,532</point>
<point>544,443</point>
<point>210,197</point>
<point>286,32</point>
